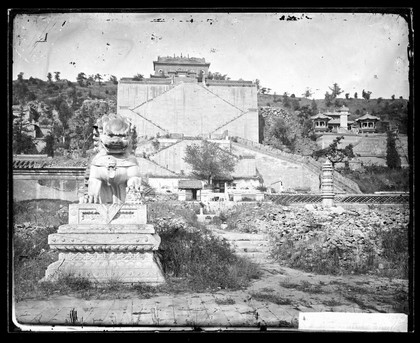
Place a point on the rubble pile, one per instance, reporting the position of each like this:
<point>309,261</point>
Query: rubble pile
<point>328,240</point>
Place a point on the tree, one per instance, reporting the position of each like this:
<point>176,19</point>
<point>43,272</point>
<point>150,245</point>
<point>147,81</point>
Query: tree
<point>347,95</point>
<point>314,106</point>
<point>280,134</point>
<point>393,96</point>
<point>113,79</point>
<point>393,160</point>
<point>264,90</point>
<point>217,76</point>
<point>49,77</point>
<point>81,79</point>
<point>138,77</point>
<point>98,78</point>
<point>49,145</point>
<point>308,93</point>
<point>23,140</point>
<point>286,100</point>
<point>355,95</point>
<point>366,95</point>
<point>335,90</point>
<point>20,92</point>
<point>91,80</point>
<point>57,75</point>
<point>20,77</point>
<point>335,154</point>
<point>295,103</point>
<point>208,161</point>
<point>328,99</point>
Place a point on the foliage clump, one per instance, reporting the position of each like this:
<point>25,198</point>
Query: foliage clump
<point>207,261</point>
<point>208,161</point>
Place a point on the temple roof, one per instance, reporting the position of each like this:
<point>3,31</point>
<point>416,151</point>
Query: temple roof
<point>368,116</point>
<point>180,60</point>
<point>343,109</point>
<point>334,121</point>
<point>320,116</point>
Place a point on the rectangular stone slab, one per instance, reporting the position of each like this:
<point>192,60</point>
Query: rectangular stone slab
<point>103,242</point>
<point>107,228</point>
<point>107,214</point>
<point>104,267</point>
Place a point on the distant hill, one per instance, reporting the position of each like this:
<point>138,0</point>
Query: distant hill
<point>72,92</point>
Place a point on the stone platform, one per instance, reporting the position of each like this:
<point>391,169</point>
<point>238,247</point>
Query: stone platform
<point>107,242</point>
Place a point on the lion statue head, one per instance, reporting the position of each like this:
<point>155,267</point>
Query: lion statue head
<point>114,134</point>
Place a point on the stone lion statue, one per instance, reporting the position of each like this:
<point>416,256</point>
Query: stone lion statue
<point>115,168</point>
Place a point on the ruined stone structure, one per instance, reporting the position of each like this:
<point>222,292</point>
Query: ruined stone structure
<point>178,103</point>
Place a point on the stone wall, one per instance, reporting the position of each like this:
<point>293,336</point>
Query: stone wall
<point>371,147</point>
<point>292,175</point>
<point>308,166</point>
<point>189,108</point>
<point>60,183</point>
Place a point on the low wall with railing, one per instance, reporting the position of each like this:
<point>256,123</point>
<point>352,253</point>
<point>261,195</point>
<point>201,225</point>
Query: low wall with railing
<point>387,198</point>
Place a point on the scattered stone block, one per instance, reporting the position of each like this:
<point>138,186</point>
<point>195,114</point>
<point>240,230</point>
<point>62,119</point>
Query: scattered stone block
<point>310,207</point>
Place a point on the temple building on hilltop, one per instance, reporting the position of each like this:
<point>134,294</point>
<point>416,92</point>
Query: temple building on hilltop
<point>367,123</point>
<point>180,100</point>
<point>338,122</point>
<point>193,67</point>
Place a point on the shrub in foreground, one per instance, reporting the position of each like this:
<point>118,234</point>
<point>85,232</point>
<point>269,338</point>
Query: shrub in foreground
<point>207,261</point>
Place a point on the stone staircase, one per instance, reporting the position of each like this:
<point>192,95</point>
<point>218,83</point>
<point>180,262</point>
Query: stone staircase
<point>250,245</point>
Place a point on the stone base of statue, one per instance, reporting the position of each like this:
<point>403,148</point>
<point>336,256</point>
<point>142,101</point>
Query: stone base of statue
<point>107,242</point>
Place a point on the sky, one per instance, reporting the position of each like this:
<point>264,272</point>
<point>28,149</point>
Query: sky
<point>355,50</point>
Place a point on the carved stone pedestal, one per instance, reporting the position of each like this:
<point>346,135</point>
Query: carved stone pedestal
<point>107,242</point>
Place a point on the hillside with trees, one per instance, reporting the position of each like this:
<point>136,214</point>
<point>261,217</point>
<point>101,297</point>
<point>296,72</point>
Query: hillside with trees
<point>288,127</point>
<point>69,109</point>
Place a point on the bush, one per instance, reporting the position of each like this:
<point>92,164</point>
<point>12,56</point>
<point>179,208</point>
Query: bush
<point>392,158</point>
<point>41,212</point>
<point>30,241</point>
<point>262,188</point>
<point>379,178</point>
<point>208,262</point>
